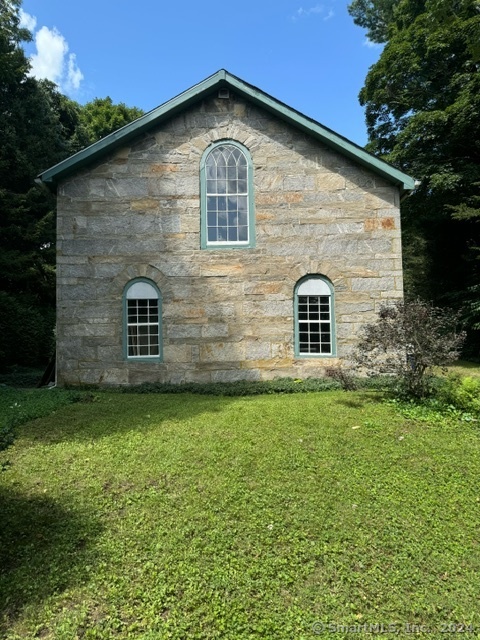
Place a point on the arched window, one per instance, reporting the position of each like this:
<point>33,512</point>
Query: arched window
<point>227,215</point>
<point>314,317</point>
<point>142,320</point>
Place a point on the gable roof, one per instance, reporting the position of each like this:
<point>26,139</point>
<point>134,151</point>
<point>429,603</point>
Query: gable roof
<point>224,80</point>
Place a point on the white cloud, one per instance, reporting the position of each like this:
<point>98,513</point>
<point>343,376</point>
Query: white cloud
<point>74,75</point>
<point>317,9</point>
<point>49,61</point>
<point>52,60</point>
<point>27,21</point>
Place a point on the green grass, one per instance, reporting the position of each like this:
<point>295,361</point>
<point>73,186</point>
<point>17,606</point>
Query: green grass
<point>465,368</point>
<point>186,516</point>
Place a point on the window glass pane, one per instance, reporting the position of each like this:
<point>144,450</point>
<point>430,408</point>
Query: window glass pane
<point>242,186</point>
<point>243,233</point>
<point>314,326</point>
<point>227,173</point>
<point>211,170</point>
<point>232,234</point>
<point>143,338</point>
<point>242,218</point>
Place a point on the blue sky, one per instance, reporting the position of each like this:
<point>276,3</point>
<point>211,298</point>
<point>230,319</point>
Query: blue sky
<point>305,53</point>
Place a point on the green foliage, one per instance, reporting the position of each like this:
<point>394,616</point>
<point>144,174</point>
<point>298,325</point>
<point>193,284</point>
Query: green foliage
<point>19,406</point>
<point>460,392</point>
<point>26,330</point>
<point>409,340</point>
<point>173,517</point>
<point>101,117</point>
<point>343,377</point>
<point>373,15</point>
<point>39,127</point>
<point>422,101</point>
<point>240,388</point>
<point>21,377</point>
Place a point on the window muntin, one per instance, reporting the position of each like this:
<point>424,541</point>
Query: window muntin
<point>227,196</point>
<point>142,321</point>
<point>314,318</point>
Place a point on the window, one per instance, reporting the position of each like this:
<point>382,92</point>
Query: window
<point>142,320</point>
<point>227,197</point>
<point>314,317</point>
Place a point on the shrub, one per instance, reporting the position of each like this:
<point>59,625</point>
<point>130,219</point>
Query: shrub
<point>26,331</point>
<point>460,392</point>
<point>344,378</point>
<point>408,340</point>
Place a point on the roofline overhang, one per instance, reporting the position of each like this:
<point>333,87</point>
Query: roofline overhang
<point>224,79</point>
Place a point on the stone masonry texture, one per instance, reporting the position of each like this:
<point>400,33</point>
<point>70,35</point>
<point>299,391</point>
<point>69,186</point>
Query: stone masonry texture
<point>227,313</point>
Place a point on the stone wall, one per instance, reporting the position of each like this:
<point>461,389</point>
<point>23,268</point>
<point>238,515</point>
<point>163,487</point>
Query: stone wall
<point>227,313</point>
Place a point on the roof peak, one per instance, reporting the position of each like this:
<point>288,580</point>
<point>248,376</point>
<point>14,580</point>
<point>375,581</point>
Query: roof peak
<point>206,87</point>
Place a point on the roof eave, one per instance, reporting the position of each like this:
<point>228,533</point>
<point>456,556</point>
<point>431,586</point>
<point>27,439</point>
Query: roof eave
<point>220,79</point>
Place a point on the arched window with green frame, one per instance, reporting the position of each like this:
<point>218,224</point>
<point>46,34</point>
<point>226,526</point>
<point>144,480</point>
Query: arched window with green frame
<point>227,203</point>
<point>314,317</point>
<point>142,320</point>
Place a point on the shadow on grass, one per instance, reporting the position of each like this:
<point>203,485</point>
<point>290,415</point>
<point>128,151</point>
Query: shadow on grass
<point>103,414</point>
<point>361,398</point>
<point>43,548</point>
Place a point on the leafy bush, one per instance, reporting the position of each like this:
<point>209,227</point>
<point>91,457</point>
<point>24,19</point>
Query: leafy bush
<point>26,331</point>
<point>239,388</point>
<point>408,340</point>
<point>344,378</point>
<point>461,392</point>
<point>17,376</point>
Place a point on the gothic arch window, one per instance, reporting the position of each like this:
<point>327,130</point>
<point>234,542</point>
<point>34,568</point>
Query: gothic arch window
<point>227,206</point>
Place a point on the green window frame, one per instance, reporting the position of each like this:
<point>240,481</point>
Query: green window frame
<point>314,318</point>
<point>226,197</point>
<point>142,321</point>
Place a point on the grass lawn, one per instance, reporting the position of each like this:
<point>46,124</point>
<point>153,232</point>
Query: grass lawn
<point>184,516</point>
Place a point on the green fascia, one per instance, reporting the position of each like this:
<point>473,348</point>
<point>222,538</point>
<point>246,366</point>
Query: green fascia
<point>203,200</point>
<point>224,79</point>
<point>315,356</point>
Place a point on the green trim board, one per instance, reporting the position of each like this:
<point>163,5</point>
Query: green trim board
<point>296,325</point>
<point>126,289</point>
<point>204,244</point>
<point>224,80</point>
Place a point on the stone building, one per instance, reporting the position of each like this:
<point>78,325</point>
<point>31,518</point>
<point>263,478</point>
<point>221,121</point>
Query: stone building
<point>222,236</point>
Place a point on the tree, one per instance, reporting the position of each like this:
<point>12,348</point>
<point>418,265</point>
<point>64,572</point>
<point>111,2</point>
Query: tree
<point>408,340</point>
<point>422,101</point>
<point>38,128</point>
<point>373,15</point>
<point>102,117</point>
